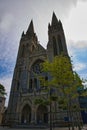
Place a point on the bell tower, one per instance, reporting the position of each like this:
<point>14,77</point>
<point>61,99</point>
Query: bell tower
<point>56,38</point>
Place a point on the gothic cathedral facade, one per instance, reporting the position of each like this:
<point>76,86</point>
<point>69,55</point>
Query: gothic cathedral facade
<point>25,86</point>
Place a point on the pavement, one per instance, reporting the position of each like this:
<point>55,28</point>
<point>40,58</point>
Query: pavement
<point>58,128</point>
<point>84,127</point>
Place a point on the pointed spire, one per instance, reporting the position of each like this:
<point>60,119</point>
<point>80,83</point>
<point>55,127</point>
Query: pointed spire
<point>22,34</point>
<point>49,25</point>
<point>54,20</point>
<point>60,24</point>
<point>30,28</point>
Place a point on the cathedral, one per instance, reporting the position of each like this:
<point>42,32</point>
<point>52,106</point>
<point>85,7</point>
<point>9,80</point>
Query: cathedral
<point>26,86</point>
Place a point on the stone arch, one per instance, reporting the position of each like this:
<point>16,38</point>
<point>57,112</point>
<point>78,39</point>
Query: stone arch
<point>34,60</point>
<point>42,114</point>
<point>23,103</point>
<point>26,114</point>
<point>34,82</point>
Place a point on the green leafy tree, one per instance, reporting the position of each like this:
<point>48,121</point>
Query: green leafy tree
<point>2,90</point>
<point>65,81</point>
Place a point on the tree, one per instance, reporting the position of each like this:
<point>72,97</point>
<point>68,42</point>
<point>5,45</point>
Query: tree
<point>2,90</point>
<point>63,79</point>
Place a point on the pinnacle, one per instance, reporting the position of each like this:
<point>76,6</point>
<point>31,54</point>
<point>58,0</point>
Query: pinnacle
<point>30,28</point>
<point>54,20</point>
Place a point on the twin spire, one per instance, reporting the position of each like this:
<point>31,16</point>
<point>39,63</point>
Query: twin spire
<point>54,22</point>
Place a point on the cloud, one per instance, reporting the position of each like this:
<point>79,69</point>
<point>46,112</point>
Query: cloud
<point>32,8</point>
<point>6,22</point>
<point>8,53</point>
<point>17,17</point>
<point>7,48</point>
<point>77,44</point>
<point>83,0</point>
<point>78,53</point>
<point>81,44</point>
<point>79,66</point>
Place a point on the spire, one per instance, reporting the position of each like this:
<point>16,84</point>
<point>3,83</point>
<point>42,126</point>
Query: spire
<point>22,34</point>
<point>60,25</point>
<point>54,20</point>
<point>30,30</point>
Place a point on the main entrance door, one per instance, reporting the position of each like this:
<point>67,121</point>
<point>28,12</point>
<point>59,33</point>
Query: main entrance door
<point>42,114</point>
<point>26,114</point>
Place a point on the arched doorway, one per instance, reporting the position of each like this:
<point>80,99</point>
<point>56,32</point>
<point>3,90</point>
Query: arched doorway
<point>42,114</point>
<point>26,114</point>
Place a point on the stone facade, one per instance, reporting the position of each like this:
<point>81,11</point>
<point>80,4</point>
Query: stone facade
<point>25,85</point>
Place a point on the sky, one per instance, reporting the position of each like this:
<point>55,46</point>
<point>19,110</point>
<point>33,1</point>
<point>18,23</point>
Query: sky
<point>15,17</point>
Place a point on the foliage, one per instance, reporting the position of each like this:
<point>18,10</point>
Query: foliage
<point>64,81</point>
<point>41,101</point>
<point>61,77</point>
<point>62,86</point>
<point>2,90</point>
